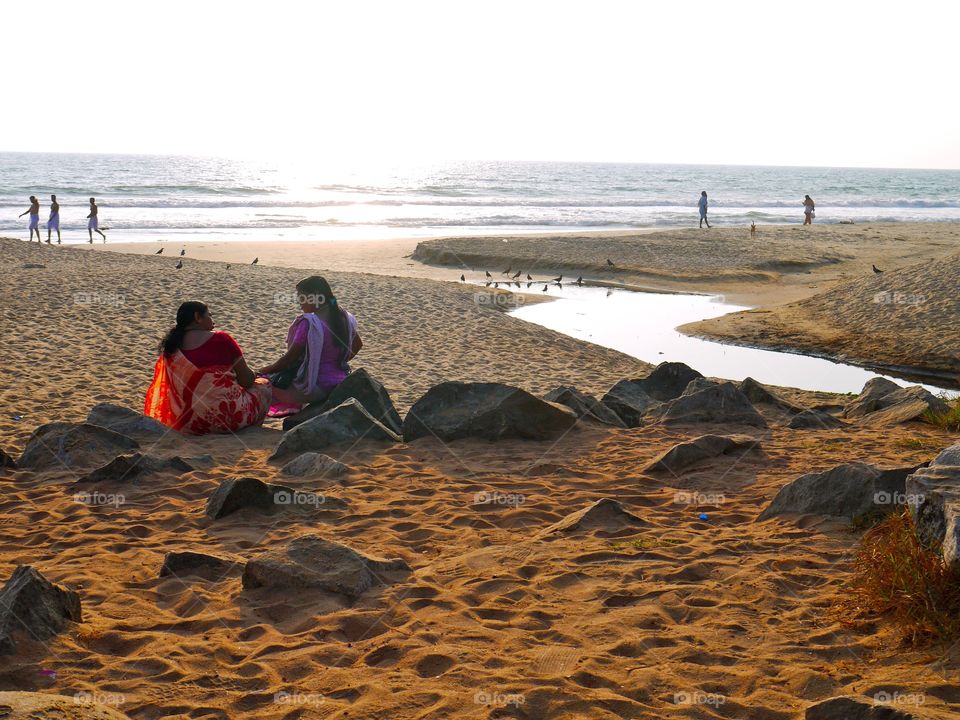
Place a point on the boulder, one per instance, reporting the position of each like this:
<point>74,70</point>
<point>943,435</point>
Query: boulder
<point>311,463</point>
<point>132,467</point>
<point>632,399</point>
<point>882,403</point>
<point>234,495</point>
<point>814,420</point>
<point>17,705</point>
<point>698,384</point>
<point>176,564</point>
<point>314,562</point>
<point>585,406</point>
<point>628,400</point>
<point>846,491</point>
<point>869,398</point>
<point>685,454</point>
<point>604,514</point>
<point>761,395</point>
<point>7,461</point>
<point>346,423</point>
<point>360,386</point>
<point>125,421</point>
<point>72,445</point>
<point>31,604</point>
<point>849,708</point>
<point>454,410</point>
<point>723,404</point>
<point>935,506</point>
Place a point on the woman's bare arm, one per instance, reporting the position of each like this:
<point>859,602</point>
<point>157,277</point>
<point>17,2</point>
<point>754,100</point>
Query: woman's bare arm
<point>356,346</point>
<point>245,376</point>
<point>291,357</point>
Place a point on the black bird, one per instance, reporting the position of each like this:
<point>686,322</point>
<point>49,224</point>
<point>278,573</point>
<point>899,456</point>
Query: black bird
<point>255,261</point>
<point>528,285</point>
<point>518,283</point>
<point>159,252</point>
<point>609,262</point>
<point>609,293</point>
<point>507,271</point>
<point>877,270</point>
<point>486,284</point>
<point>462,279</point>
<point>557,279</point>
<point>580,280</point>
<point>228,267</point>
<point>544,288</point>
<point>528,277</point>
<point>488,274</point>
<point>179,264</point>
<point>516,275</point>
<point>183,251</point>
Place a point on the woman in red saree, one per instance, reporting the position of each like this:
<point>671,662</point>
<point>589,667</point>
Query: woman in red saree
<point>201,383</point>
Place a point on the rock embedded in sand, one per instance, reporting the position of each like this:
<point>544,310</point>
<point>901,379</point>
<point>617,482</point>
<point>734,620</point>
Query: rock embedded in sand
<point>869,398</point>
<point>814,420</point>
<point>17,705</point>
<point>7,461</point>
<point>193,563</point>
<point>32,604</point>
<point>846,491</point>
<point>454,410</point>
<point>632,399</point>
<point>698,384</point>
<point>761,395</point>
<point>72,445</point>
<point>604,514</point>
<point>311,463</point>
<point>124,420</point>
<point>128,468</point>
<point>348,422</point>
<point>882,402</point>
<point>850,708</point>
<point>366,390</point>
<point>683,455</point>
<point>935,506</point>
<point>585,406</point>
<point>629,402</point>
<point>314,562</point>
<point>234,495</point>
<point>721,404</point>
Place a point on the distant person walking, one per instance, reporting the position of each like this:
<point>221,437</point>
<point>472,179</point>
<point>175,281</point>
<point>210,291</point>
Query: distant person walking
<point>703,209</point>
<point>53,223</point>
<point>808,210</point>
<point>34,225</point>
<point>92,223</point>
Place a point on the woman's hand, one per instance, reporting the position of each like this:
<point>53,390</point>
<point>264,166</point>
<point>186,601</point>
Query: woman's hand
<point>245,376</point>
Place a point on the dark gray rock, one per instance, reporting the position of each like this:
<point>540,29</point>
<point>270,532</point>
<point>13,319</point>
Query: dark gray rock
<point>133,467</point>
<point>234,495</point>
<point>176,564</point>
<point>585,406</point>
<point>698,384</point>
<point>849,708</point>
<point>935,495</point>
<point>31,604</point>
<point>629,401</point>
<point>761,395</point>
<point>125,421</point>
<point>683,455</point>
<point>314,562</point>
<point>19,705</point>
<point>814,420</point>
<point>632,399</point>
<point>846,491</point>
<point>884,403</point>
<point>7,461</point>
<point>359,385</point>
<point>454,410</point>
<point>668,380</point>
<point>346,423</point>
<point>72,445</point>
<point>604,514</point>
<point>870,396</point>
<point>721,404</point>
<point>311,463</point>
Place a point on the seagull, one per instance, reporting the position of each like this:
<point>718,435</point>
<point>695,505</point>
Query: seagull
<point>183,251</point>
<point>462,279</point>
<point>517,275</point>
<point>179,264</point>
<point>488,274</point>
<point>580,280</point>
<point>507,271</point>
<point>255,261</point>
<point>528,277</point>
<point>609,262</point>
<point>544,288</point>
<point>159,252</point>
<point>877,270</point>
<point>557,279</point>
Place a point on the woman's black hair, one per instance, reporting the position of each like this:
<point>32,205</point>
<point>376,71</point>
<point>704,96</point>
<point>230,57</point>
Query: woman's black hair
<point>319,292</point>
<point>186,314</point>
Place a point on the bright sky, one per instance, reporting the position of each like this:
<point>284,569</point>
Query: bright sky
<point>808,83</point>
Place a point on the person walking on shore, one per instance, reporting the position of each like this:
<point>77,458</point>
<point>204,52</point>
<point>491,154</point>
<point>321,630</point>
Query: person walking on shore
<point>808,210</point>
<point>53,223</point>
<point>34,211</point>
<point>703,209</point>
<point>92,223</point>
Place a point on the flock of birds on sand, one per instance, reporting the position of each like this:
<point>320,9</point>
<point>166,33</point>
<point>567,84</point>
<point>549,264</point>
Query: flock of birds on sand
<point>516,280</point>
<point>183,251</point>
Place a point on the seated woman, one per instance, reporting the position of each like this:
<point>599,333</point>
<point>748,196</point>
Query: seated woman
<point>201,383</point>
<point>319,344</point>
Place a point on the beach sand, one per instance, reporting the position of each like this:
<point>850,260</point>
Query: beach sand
<point>674,617</point>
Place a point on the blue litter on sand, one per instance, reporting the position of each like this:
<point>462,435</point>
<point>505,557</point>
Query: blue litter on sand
<point>703,516</point>
<point>18,417</point>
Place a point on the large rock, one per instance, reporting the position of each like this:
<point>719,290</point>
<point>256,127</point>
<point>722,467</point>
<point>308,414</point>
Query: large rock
<point>683,455</point>
<point>346,423</point>
<point>761,395</point>
<point>721,404</point>
<point>849,708</point>
<point>176,564</point>
<point>359,385</point>
<point>629,401</point>
<point>311,463</point>
<point>584,405</point>
<point>935,492</point>
<point>7,461</point>
<point>31,604</point>
<point>454,410</point>
<point>632,399</point>
<point>16,705</point>
<point>604,514</point>
<point>846,491</point>
<point>132,467</point>
<point>125,421</point>
<point>314,562</point>
<point>814,420</point>
<point>233,495</point>
<point>668,380</point>
<point>883,403</point>
<point>72,445</point>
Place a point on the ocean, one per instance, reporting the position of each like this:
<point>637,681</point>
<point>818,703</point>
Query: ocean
<point>151,197</point>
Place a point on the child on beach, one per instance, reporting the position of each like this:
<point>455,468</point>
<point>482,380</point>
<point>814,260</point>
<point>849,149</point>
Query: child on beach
<point>319,343</point>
